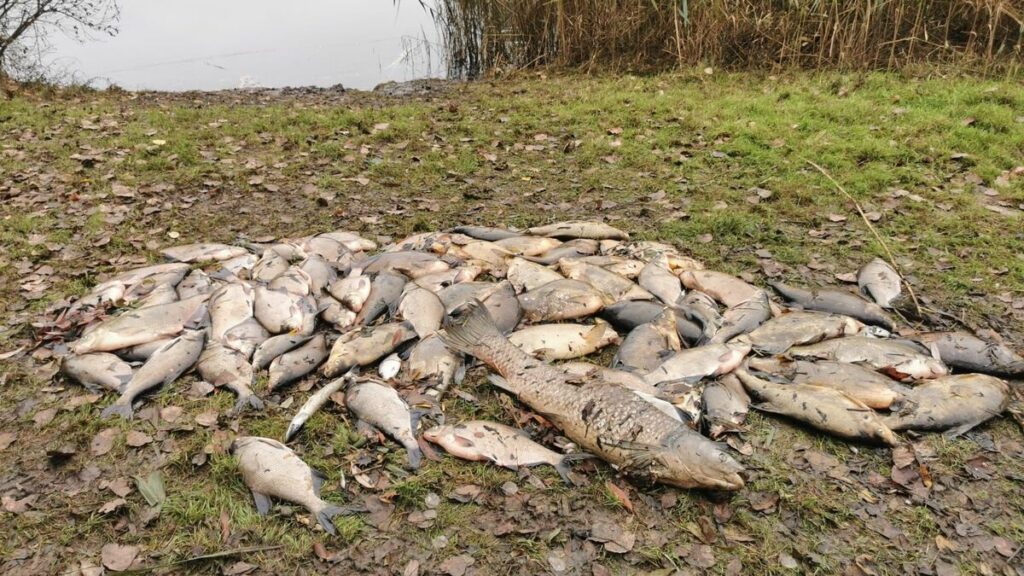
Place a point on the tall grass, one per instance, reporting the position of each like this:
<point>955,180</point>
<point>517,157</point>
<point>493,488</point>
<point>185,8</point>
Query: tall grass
<point>847,34</point>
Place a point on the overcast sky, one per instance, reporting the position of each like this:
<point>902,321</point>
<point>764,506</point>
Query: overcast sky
<point>213,44</point>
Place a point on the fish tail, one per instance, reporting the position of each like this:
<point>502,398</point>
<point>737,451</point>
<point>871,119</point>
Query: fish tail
<point>469,326</point>
<point>328,511</point>
<point>118,409</point>
<point>415,455</point>
<point>562,466</point>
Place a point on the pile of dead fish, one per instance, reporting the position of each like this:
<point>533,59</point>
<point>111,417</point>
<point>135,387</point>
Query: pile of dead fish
<point>696,348</point>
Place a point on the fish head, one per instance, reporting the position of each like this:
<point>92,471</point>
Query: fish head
<point>717,470</point>
<point>733,357</point>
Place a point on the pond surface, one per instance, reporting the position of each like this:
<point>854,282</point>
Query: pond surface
<point>218,44</point>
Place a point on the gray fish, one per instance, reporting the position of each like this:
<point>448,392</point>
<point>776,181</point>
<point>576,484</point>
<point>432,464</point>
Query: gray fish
<point>431,361</point>
<point>881,282</point>
<point>380,406</point>
<point>968,352</point>
<point>280,311</point>
<point>197,282</point>
<point>836,302</point>
<point>223,367</point>
<point>560,300</point>
<point>335,313</point>
<point>270,468</point>
<point>270,265</point>
<point>613,287</point>
<point>503,305</point>
<point>622,266</point>
<point>799,328</point>
<point>352,291</point>
<point>482,441</point>
<point>825,409</point>
<point>350,240</point>
<point>364,347</point>
<point>326,248</point>
<point>320,273</point>
<point>692,365</point>
<point>162,294</point>
<point>579,229</point>
<point>202,252</point>
<point>729,290</point>
<point>648,345</point>
<point>566,251</point>
<point>582,372</point>
<point>385,290</point>
<point>314,403</point>
<point>139,326</point>
<point>169,270</point>
<point>421,308</point>
<point>140,290</point>
<point>297,362</point>
<point>870,387</point>
<point>97,370</point>
<point>459,294</point>
<point>725,406</point>
<point>485,233</point>
<point>953,404</point>
<point>897,359</point>
<point>629,314</point>
<point>743,317</point>
<point>293,281</point>
<point>563,341</point>
<point>439,280</point>
<point>657,279</point>
<point>141,352</point>
<point>275,346</point>
<point>230,305</point>
<point>162,368</point>
<point>702,309</point>
<point>246,336</point>
<point>528,245</point>
<point>411,264</point>
<point>603,418</point>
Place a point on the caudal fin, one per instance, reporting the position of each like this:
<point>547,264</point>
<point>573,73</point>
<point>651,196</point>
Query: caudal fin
<point>467,326</point>
<point>562,467</point>
<point>330,511</point>
<point>116,409</point>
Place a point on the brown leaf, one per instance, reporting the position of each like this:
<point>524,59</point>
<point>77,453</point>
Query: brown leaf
<point>238,568</point>
<point>225,526</point>
<point>119,486</point>
<point>615,537</point>
<point>764,501</point>
<point>112,505</point>
<point>136,439</point>
<point>15,506</point>
<point>6,439</point>
<point>620,495</point>
<point>170,414</point>
<point>456,565</point>
<point>44,417</point>
<point>118,558</point>
<point>103,441</point>
<point>208,418</point>
<point>701,556</point>
<point>788,561</point>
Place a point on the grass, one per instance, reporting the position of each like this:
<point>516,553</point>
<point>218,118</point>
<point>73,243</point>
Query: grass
<point>671,157</point>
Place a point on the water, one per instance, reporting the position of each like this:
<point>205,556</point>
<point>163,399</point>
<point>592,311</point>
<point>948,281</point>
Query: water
<point>218,44</point>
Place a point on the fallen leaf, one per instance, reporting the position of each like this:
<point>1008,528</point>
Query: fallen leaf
<point>15,506</point>
<point>788,561</point>
<point>615,538</point>
<point>456,565</point>
<point>836,218</point>
<point>152,488</point>
<point>620,495</point>
<point>103,441</point>
<point>170,414</point>
<point>118,558</point>
<point>118,486</point>
<point>207,419</point>
<point>239,568</point>
<point>764,501</point>
<point>112,505</point>
<point>6,439</point>
<point>44,417</point>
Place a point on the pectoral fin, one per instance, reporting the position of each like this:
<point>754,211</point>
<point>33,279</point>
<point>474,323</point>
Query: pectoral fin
<point>262,503</point>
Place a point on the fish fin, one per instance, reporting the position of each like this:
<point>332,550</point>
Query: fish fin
<point>262,503</point>
<point>415,456</point>
<point>958,430</point>
<point>366,430</point>
<point>594,335</point>
<point>641,454</point>
<point>500,382</point>
<point>290,433</point>
<point>323,517</point>
<point>117,409</point>
<point>318,480</point>
<point>767,407</point>
<point>467,326</point>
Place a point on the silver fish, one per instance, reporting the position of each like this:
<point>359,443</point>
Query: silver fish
<point>836,302</point>
<point>297,362</point>
<point>246,336</point>
<point>570,250</point>
<point>657,279</point>
<point>411,264</point>
<point>335,313</point>
<point>162,368</point>
<point>385,290</point>
<point>726,404</point>
<point>162,294</point>
<point>579,229</point>
<point>483,441</point>
<point>274,346</point>
<point>352,291</point>
<point>743,317</point>
<point>270,468</point>
<point>612,286</point>
<point>423,309</point>
<point>870,387</point>
<point>431,361</point>
<point>197,282</point>
<point>390,366</point>
<point>563,341</point>
<point>629,314</point>
<point>270,265</point>
<point>364,347</point>
<point>528,245</point>
<point>202,252</point>
<point>799,328</point>
<point>97,370</point>
<point>141,352</point>
<point>560,300</point>
<point>320,273</point>
<point>729,290</point>
<point>351,240</point>
<point>314,403</point>
<point>692,365</point>
<point>968,352</point>
<point>881,282</point>
<point>485,233</point>
<point>702,309</point>
<point>139,326</point>
<point>953,404</point>
<point>380,406</point>
<point>503,305</point>
<point>899,360</point>
<point>223,367</point>
<point>230,305</point>
<point>648,345</point>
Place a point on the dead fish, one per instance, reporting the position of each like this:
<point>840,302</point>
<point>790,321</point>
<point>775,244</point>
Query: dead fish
<point>488,254</point>
<point>320,273</point>
<point>202,252</point>
<point>275,346</point>
<point>528,245</point>
<point>294,281</point>
<point>431,361</point>
<point>270,265</point>
<point>223,367</point>
<point>566,251</point>
<point>351,240</point>
<point>482,441</point>
<point>237,265</point>
<point>270,468</point>
<point>612,286</point>
<point>727,289</point>
<point>617,264</point>
<point>629,314</point>
<point>953,404</point>
<point>97,370</point>
<point>648,345</point>
<point>503,305</point>
<point>657,279</point>
<point>163,294</point>
<point>314,403</point>
<point>380,406</point>
<point>411,264</point>
<point>385,290</point>
<point>525,275</point>
<point>881,282</point>
<point>563,341</point>
<point>560,300</point>
<point>390,366</point>
<point>864,384</point>
<point>485,233</point>
<point>197,282</point>
<point>139,326</point>
<point>825,409</point>
<point>899,360</point>
<point>245,337</point>
<point>364,347</point>
<point>459,294</point>
<point>968,352</point>
<point>836,302</point>
<point>779,334</point>
<point>140,290</point>
<point>327,248</point>
<point>579,229</point>
<point>141,352</point>
<point>421,308</point>
<point>297,362</point>
<point>169,270</point>
<point>438,280</point>
<point>230,305</point>
<point>335,313</point>
<point>725,405</point>
<point>603,418</point>
<point>702,309</point>
<point>352,291</point>
<point>582,371</point>
<point>162,368</point>
<point>692,365</point>
<point>743,317</point>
